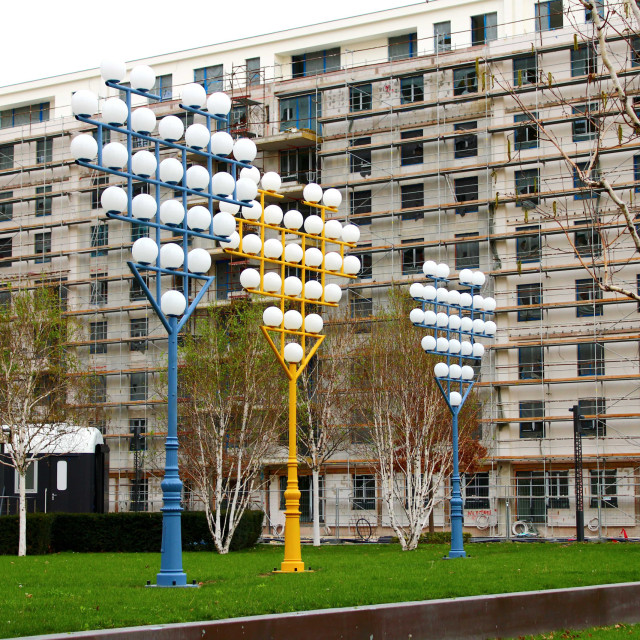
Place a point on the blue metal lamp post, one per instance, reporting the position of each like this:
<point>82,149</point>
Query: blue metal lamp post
<point>455,320</point>
<point>147,212</point>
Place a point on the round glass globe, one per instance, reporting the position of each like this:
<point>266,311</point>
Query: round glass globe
<point>293,253</point>
<point>244,150</point>
<point>171,256</point>
<point>293,352</point>
<point>246,189</point>
<point>114,111</point>
<point>198,218</point>
<point>219,104</point>
<point>312,192</point>
<point>478,350</point>
<point>428,343</point>
<point>251,244</point>
<point>143,163</point>
<point>430,318</point>
<point>144,251</point>
<point>466,348</point>
<point>143,206</point>
<point>332,261</point>
<point>441,370</point>
<point>313,224</point>
<point>442,344</point>
<point>197,178</point>
<point>442,319</point>
<point>273,248</point>
<point>293,219</point>
<point>478,326</point>
<point>313,323</point>
<point>454,322</point>
<point>232,242</point>
<point>429,268</point>
<point>171,171</point>
<point>143,120</point>
<point>351,265</point>
<point>478,278</point>
<point>252,210</point>
<point>271,282</point>
<point>251,173</point>
<point>465,276</point>
<point>84,147</point>
<point>194,95</point>
<point>477,302</point>
<point>332,198</point>
<point>142,77</point>
<point>455,399</point>
<point>490,328</point>
<point>430,292</point>
<point>173,303</point>
<point>350,233</point>
<point>454,346</point>
<point>114,199</point>
<point>313,257</point>
<point>416,316</point>
<point>466,324</point>
<point>224,224</point>
<point>272,317</point>
<point>84,103</point>
<point>332,293</point>
<point>114,155</point>
<point>197,136</point>
<point>333,229</point>
<point>199,261</point>
<point>229,207</point>
<point>221,144</point>
<point>292,286</point>
<point>455,371</point>
<point>467,372</point>
<point>250,278</point>
<point>465,300</point>
<point>271,181</point>
<point>113,70</point>
<point>273,214</point>
<point>453,298</point>
<point>170,128</point>
<point>312,290</point>
<point>489,305</point>
<point>442,270</point>
<point>416,291</point>
<point>171,212</point>
<point>442,294</point>
<point>222,183</point>
<point>292,320</point>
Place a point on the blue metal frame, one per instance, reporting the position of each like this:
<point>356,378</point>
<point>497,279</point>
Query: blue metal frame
<point>171,573</point>
<point>446,386</point>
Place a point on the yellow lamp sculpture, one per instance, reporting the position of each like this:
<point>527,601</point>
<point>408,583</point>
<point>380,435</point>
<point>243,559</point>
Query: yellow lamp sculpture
<point>288,241</point>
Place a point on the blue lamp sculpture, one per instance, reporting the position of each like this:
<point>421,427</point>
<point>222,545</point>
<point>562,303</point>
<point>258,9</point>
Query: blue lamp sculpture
<point>180,162</point>
<point>455,319</point>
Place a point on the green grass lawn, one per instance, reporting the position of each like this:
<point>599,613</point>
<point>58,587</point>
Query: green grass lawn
<point>71,592</point>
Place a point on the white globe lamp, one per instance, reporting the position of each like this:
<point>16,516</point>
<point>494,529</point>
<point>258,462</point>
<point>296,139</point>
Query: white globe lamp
<point>173,303</point>
<point>312,192</point>
<point>85,148</point>
<point>144,251</point>
<point>199,261</point>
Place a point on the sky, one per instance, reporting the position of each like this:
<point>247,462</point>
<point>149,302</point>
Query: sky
<point>43,38</point>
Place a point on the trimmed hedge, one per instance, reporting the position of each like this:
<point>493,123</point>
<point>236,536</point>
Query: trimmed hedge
<point>441,537</point>
<point>117,532</point>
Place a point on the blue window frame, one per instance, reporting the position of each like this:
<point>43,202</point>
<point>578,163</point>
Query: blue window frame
<point>585,193</point>
<point>585,128</point>
<point>634,45</point>
<point>313,63</point>
<point>412,89</point>
<point>442,36</point>
<point>530,295</point>
<point>549,15</point>
<point>28,114</point>
<point>584,60</point>
<point>99,239</point>
<point>528,245</point>
<point>527,188</point>
<point>301,112</point>
<point>636,172</point>
<point>587,290</point>
<point>525,70</point>
<point>465,80</point>
<point>42,247</point>
<point>404,46</point>
<point>591,359</point>
<point>484,28</point>
<point>211,78</point>
<point>599,4</point>
<point>525,135</point>
<point>163,87</point>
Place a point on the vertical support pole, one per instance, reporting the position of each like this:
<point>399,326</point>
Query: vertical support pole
<point>292,552</point>
<point>577,455</point>
<point>171,574</point>
<point>457,544</point>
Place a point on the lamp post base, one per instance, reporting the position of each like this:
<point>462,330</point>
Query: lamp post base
<point>291,566</point>
<point>171,579</point>
<point>457,554</point>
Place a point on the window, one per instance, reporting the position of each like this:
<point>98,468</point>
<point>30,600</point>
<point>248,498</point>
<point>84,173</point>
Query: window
<point>42,247</point>
<point>99,239</point>
<point>526,185</point>
<point>6,206</point>
<point>138,231</point>
<point>29,114</point>
<point>364,492</point>
<point>411,153</point>
<point>99,182</point>
<point>139,494</point>
<point>137,429</point>
<point>405,46</point>
<point>30,479</point>
<point>411,89</point>
<point>484,28</point>
<point>227,280</point>
<point>44,202</point>
<point>558,489</point>
<point>163,87</point>
<point>593,425</point>
<point>476,491</point>
<point>6,251</point>
<point>361,203</point>
<point>465,145</point>
<point>634,44</point>
<point>360,306</point>
<point>98,289</point>
<point>585,192</point>
<point>106,133</point>
<point>366,260</point>
<point>525,70</point>
<point>531,362</point>
<point>599,4</point>
<point>465,80</point>
<point>636,172</point>
<point>5,299</point>
<point>587,290</point>
<point>298,165</point>
<point>549,15</point>
<point>211,78</point>
<point>584,60</point>
<point>467,252</point>
<point>300,112</point>
<point>525,135</point>
<point>604,488</point>
<point>412,257</point>
<point>587,240</point>
<point>360,97</point>
<point>530,295</point>
<point>138,386</point>
<point>585,128</point>
<point>528,247</point>
<point>44,151</point>
<point>253,71</point>
<point>591,359</point>
<point>466,190</point>
<point>97,332</point>
<point>442,36</point>
<point>99,388</point>
<point>6,157</point>
<point>532,419</point>
<point>139,328</point>
<point>412,195</point>
<point>315,62</point>
<point>361,158</point>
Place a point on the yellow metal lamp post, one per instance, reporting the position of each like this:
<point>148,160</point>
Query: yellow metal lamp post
<point>279,242</point>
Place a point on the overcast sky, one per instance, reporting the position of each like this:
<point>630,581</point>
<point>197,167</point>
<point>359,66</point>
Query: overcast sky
<point>44,38</point>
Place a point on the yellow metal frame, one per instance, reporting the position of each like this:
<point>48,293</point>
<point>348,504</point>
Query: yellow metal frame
<point>310,343</point>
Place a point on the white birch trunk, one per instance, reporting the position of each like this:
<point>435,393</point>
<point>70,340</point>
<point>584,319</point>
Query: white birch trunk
<point>22,534</point>
<point>315,478</point>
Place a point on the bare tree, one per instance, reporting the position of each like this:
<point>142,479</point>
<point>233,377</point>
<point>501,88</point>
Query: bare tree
<point>231,412</point>
<point>40,390</point>
<point>410,424</point>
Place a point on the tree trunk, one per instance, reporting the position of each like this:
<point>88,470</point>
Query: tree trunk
<point>22,535</point>
<point>315,477</point>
